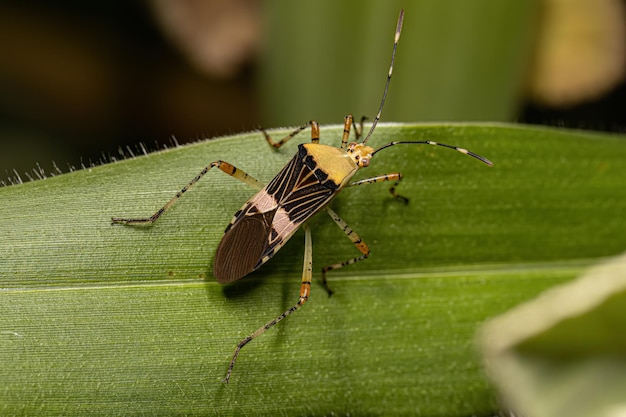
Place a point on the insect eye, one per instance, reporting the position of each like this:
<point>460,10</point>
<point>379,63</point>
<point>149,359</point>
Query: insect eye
<point>365,162</point>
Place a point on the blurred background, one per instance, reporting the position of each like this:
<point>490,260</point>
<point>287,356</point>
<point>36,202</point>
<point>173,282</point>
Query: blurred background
<point>83,83</point>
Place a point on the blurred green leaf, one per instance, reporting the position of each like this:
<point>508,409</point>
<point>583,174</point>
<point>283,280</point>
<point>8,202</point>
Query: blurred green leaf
<point>105,319</point>
<point>457,60</point>
<point>563,353</point>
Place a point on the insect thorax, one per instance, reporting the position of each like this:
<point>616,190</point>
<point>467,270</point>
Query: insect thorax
<point>335,163</point>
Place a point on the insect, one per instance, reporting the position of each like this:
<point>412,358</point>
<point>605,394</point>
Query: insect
<point>303,187</point>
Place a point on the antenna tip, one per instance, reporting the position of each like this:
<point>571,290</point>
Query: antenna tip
<point>481,158</point>
<point>463,151</point>
<point>399,26</point>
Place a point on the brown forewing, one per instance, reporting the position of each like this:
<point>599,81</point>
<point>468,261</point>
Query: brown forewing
<point>271,217</point>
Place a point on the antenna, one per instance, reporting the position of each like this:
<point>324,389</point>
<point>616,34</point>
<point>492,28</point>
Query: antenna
<point>430,142</point>
<point>393,57</point>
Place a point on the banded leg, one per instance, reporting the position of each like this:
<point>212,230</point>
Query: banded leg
<point>394,176</point>
<point>358,132</point>
<point>360,245</point>
<point>305,290</point>
<point>348,123</point>
<point>223,166</point>
<point>315,134</point>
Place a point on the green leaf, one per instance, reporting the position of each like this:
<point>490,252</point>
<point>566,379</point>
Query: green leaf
<point>563,353</point>
<point>457,60</point>
<point>104,319</point>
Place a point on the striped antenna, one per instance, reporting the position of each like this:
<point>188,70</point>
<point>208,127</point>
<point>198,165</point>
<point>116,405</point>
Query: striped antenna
<point>393,57</point>
<point>430,142</point>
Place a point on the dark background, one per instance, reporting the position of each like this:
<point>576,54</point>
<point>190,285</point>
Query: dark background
<point>82,83</point>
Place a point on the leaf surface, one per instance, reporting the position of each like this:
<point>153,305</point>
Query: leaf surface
<point>126,320</point>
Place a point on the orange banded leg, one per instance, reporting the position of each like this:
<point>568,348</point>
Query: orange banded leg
<point>394,176</point>
<point>315,134</point>
<point>305,290</point>
<point>223,166</point>
<point>348,124</point>
<point>360,245</point>
<point>348,121</point>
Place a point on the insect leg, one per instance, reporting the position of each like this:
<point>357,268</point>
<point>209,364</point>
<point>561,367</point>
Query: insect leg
<point>394,176</point>
<point>305,290</point>
<point>223,166</point>
<point>360,245</point>
<point>358,131</point>
<point>315,134</point>
<point>348,121</point>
